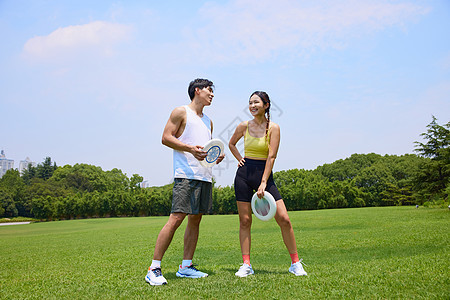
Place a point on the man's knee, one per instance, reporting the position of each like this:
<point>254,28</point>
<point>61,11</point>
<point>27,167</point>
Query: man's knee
<point>194,220</point>
<point>175,220</point>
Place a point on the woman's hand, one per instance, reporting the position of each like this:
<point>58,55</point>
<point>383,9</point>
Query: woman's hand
<point>261,189</point>
<point>241,162</point>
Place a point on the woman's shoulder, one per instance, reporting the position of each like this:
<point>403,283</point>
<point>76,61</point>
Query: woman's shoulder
<point>273,125</point>
<point>243,124</point>
<point>241,127</point>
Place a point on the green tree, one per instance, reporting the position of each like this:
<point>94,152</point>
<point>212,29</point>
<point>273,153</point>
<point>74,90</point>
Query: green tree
<point>373,181</point>
<point>7,205</point>
<point>348,168</point>
<point>224,200</point>
<point>394,195</point>
<point>135,182</point>
<point>16,189</point>
<point>2,210</point>
<point>433,177</point>
<point>45,169</point>
<point>161,199</point>
<point>116,180</point>
<point>81,178</point>
<point>28,174</point>
<point>42,207</point>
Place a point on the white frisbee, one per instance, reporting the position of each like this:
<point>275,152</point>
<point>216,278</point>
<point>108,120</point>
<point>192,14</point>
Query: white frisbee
<point>264,208</point>
<point>214,149</point>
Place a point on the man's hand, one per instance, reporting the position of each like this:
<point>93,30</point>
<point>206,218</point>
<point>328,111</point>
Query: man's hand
<point>198,153</point>
<point>220,158</point>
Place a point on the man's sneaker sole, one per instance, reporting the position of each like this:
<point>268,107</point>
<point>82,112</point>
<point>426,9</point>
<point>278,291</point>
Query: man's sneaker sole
<point>188,276</point>
<point>153,283</point>
<point>149,281</point>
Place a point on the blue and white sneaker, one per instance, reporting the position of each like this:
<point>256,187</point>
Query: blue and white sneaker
<point>155,277</point>
<point>190,272</point>
<point>297,269</point>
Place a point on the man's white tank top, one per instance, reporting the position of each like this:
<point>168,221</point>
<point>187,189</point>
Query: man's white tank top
<point>196,132</point>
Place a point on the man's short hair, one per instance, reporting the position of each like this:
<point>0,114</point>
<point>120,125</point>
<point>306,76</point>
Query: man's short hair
<point>198,83</point>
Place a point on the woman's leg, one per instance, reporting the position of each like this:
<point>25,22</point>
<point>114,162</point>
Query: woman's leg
<point>245,224</point>
<point>287,231</point>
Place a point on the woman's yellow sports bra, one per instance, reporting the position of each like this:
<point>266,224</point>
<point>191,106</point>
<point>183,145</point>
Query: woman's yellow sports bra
<point>256,147</point>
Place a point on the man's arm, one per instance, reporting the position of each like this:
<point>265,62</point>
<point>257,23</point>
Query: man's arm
<point>174,128</point>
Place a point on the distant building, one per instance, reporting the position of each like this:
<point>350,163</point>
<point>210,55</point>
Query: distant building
<point>5,164</point>
<point>145,184</point>
<point>23,165</point>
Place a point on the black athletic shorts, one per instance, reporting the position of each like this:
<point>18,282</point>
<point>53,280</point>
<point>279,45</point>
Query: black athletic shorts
<point>248,178</point>
<point>192,196</point>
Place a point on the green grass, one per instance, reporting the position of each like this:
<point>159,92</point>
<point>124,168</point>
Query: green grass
<point>367,253</point>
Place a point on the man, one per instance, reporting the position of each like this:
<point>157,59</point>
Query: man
<point>186,130</point>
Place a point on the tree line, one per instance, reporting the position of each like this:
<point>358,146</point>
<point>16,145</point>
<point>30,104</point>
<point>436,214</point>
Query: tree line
<point>52,192</point>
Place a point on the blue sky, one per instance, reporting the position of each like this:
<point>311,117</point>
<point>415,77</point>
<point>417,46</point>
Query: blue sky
<point>95,81</point>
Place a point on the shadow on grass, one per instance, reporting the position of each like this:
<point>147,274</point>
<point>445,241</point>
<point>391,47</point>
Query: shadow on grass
<point>257,271</point>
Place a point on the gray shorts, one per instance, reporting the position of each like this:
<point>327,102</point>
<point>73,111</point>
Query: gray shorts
<point>192,196</point>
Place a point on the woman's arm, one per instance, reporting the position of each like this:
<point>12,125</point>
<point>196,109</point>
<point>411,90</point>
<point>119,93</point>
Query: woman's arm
<point>237,135</point>
<point>274,135</point>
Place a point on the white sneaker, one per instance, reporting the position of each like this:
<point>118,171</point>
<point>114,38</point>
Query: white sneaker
<point>297,269</point>
<point>155,277</point>
<point>244,271</point>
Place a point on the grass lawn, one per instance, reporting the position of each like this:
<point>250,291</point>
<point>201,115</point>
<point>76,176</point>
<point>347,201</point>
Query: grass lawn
<point>366,253</point>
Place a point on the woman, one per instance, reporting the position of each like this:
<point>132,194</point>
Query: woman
<point>261,142</point>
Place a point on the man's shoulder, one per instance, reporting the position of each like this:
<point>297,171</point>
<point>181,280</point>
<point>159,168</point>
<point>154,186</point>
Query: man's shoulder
<point>179,109</point>
<point>178,112</point>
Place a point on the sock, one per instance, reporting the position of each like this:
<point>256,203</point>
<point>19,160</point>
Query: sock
<point>186,263</point>
<point>246,259</point>
<point>294,257</point>
<point>155,264</point>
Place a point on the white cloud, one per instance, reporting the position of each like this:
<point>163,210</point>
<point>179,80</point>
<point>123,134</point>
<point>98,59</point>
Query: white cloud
<point>98,35</point>
<point>260,29</point>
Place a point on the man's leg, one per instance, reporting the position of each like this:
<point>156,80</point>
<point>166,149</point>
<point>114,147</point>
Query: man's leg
<point>165,236</point>
<point>202,192</point>
<point>187,269</point>
<point>154,275</point>
<point>191,236</point>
